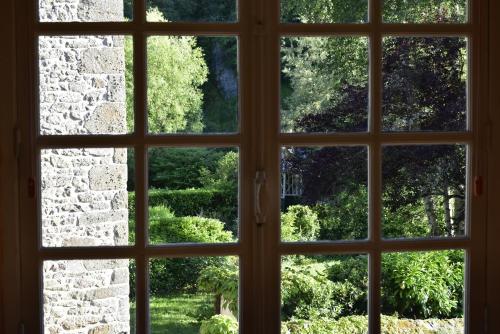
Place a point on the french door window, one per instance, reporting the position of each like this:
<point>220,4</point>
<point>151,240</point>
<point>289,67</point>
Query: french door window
<point>254,166</point>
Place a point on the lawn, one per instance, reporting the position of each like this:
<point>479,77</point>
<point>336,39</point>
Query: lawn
<point>179,314</point>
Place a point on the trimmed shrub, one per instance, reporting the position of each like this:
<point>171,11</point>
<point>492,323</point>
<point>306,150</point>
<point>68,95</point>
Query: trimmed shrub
<point>175,275</point>
<point>209,203</point>
<point>359,325</point>
<point>219,324</point>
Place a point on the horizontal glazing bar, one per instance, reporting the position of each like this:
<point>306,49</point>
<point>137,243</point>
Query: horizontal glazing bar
<point>74,28</point>
<point>386,29</point>
<point>177,250</point>
<point>384,138</point>
<point>132,140</point>
<point>368,246</point>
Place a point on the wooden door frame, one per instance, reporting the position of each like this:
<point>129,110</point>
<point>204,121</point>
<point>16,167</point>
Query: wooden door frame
<point>16,109</point>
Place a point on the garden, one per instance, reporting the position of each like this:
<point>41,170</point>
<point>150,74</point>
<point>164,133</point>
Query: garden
<point>193,192</point>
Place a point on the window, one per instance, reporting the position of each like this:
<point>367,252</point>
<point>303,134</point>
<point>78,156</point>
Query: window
<point>270,165</point>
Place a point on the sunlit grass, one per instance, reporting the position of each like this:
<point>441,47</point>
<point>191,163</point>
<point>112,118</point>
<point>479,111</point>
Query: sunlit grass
<point>179,314</point>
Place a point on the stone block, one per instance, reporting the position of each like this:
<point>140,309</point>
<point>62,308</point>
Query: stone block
<point>108,177</point>
<point>108,118</point>
<point>108,60</point>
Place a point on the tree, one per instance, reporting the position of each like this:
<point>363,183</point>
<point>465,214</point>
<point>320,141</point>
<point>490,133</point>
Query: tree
<point>424,89</point>
<point>176,71</point>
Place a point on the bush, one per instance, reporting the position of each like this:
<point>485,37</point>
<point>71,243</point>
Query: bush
<point>223,281</point>
<point>423,285</point>
<point>299,223</point>
<point>359,325</point>
<point>164,227</point>
<point>345,217</point>
<point>346,325</point>
<point>175,275</point>
<point>307,292</point>
<point>350,277</point>
<point>219,324</point>
<point>210,203</point>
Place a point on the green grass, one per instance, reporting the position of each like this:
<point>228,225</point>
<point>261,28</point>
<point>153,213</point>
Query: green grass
<point>177,314</point>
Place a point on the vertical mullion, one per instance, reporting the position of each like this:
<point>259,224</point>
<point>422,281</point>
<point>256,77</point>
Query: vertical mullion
<point>140,109</point>
<point>375,165</point>
<point>247,285</point>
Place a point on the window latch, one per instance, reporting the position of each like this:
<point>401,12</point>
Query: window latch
<point>259,183</point>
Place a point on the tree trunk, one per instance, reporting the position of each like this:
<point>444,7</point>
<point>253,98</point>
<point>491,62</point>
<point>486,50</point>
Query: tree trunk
<point>431,215</point>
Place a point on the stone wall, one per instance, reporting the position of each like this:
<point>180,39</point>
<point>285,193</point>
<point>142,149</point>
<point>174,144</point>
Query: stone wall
<point>83,190</point>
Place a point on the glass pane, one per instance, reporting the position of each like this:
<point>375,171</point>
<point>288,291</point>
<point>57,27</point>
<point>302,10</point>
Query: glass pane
<point>85,10</point>
<point>324,11</point>
<point>324,193</point>
<point>324,84</point>
<point>194,295</point>
<point>191,10</point>
<point>425,83</point>
<point>85,85</point>
<point>425,11</point>
<point>192,84</point>
<point>84,197</point>
<point>193,195</point>
<point>423,292</point>
<point>424,191</point>
<point>89,296</point>
<point>324,294</point>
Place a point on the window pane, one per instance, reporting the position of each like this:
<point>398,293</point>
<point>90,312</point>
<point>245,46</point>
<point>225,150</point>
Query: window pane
<point>423,292</point>
<point>324,84</point>
<point>324,294</point>
<point>425,11</point>
<point>425,84</point>
<point>191,10</point>
<point>324,11</point>
<point>84,197</point>
<point>194,295</point>
<point>424,191</point>
<point>85,10</point>
<point>324,194</point>
<point>88,296</point>
<point>193,195</point>
<point>192,84</point>
<point>85,85</point>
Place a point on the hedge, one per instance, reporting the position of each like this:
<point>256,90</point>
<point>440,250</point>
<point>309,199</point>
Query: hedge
<point>359,325</point>
<point>208,203</point>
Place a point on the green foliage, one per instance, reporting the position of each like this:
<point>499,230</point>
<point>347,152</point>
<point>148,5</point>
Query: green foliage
<point>174,275</point>
<point>306,292</point>
<point>196,10</point>
<point>425,11</point>
<point>317,73</point>
<point>176,71</point>
<point>224,176</point>
<point>406,221</point>
<point>219,324</point>
<point>324,11</point>
<point>422,285</point>
<point>299,223</point>
<point>164,227</point>
<point>181,168</point>
<point>223,281</point>
<point>209,203</point>
<point>345,217</point>
<point>350,277</point>
<point>345,325</point>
